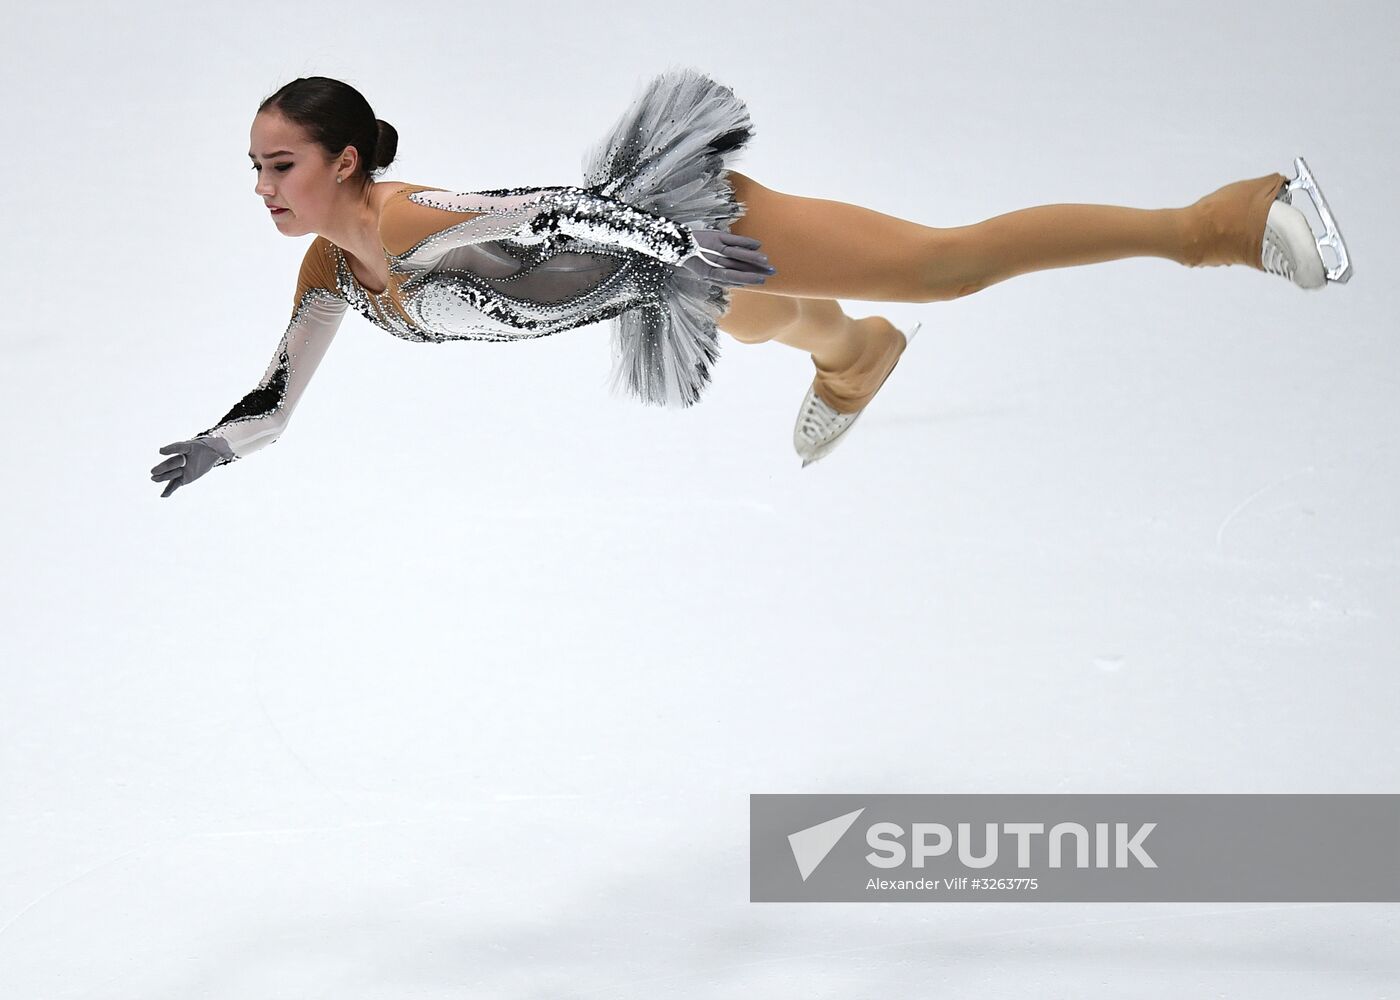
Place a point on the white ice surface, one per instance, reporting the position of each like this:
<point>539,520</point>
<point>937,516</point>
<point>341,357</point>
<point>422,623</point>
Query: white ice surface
<point>460,689</point>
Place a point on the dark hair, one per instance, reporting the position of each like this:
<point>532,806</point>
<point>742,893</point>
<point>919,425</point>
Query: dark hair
<point>335,115</point>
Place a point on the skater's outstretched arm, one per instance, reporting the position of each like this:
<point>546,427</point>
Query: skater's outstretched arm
<point>422,225</point>
<point>259,418</point>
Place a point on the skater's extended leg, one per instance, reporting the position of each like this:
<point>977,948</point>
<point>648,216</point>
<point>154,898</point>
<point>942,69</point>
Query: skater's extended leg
<point>831,249</point>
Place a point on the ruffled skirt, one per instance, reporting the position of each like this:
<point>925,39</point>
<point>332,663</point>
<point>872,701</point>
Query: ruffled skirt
<point>667,154</point>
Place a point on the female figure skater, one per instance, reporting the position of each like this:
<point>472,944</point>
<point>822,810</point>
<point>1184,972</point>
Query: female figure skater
<point>664,241</point>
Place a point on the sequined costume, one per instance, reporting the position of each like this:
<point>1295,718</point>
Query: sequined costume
<point>523,262</point>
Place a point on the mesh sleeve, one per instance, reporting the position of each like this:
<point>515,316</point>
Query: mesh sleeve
<point>432,221</point>
<point>259,418</point>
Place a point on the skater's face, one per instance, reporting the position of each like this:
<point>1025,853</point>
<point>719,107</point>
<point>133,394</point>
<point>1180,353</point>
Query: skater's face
<point>293,173</point>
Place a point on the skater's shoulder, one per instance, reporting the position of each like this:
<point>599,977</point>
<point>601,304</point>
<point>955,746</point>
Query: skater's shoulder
<point>404,223</point>
<point>317,269</point>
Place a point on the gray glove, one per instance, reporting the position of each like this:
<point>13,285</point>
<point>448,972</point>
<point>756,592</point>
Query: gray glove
<point>191,459</point>
<point>728,259</point>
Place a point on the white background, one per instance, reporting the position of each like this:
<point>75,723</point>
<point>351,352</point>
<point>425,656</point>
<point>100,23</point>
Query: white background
<point>461,688</point>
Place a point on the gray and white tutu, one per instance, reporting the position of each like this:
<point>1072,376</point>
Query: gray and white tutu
<point>667,154</point>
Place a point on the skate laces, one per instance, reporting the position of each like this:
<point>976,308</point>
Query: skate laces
<point>819,419</point>
<point>1275,259</point>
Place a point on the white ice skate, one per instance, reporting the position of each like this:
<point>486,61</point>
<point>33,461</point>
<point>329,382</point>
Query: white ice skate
<point>1291,248</point>
<point>820,428</point>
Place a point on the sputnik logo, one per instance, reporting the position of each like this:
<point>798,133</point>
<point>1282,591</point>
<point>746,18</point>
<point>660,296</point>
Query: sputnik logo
<point>811,846</point>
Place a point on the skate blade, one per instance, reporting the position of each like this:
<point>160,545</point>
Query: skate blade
<point>1306,183</point>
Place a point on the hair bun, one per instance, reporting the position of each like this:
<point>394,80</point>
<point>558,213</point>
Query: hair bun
<point>387,145</point>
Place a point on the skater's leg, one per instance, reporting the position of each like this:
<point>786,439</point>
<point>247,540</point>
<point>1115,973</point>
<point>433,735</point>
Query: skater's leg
<point>830,249</point>
<point>852,356</point>
<point>756,319</point>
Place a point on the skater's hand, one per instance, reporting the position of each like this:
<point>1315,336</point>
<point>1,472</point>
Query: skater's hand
<point>189,460</point>
<point>728,259</point>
